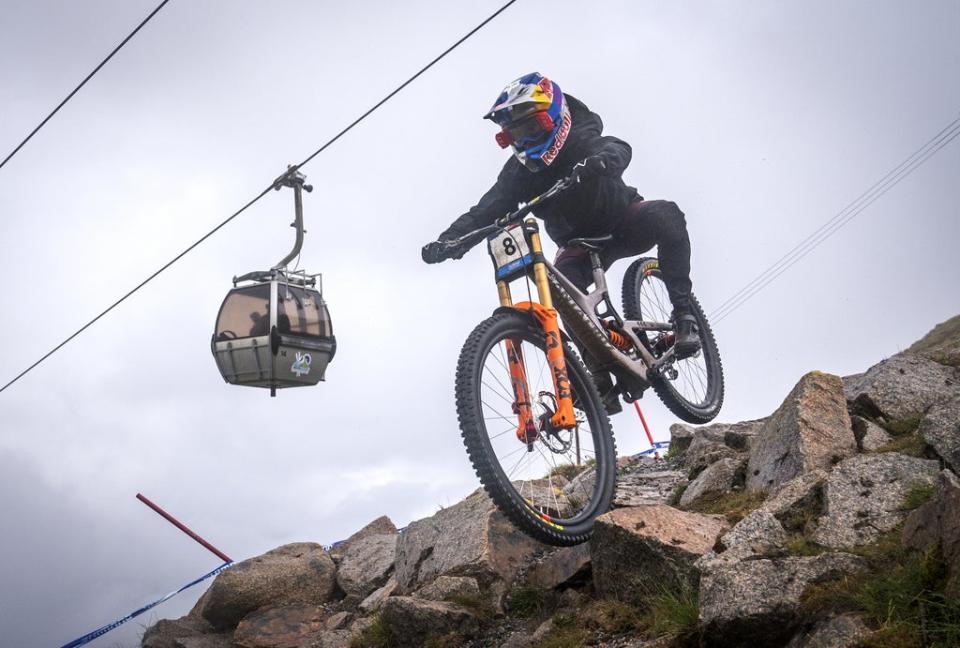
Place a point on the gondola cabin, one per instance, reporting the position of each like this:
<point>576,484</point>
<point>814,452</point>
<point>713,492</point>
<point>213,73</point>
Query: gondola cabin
<point>274,332</point>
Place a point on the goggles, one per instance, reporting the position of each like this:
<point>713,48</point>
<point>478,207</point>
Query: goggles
<point>526,131</point>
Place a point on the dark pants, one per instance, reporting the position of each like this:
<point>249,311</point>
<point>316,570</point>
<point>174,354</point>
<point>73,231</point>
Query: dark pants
<point>647,223</point>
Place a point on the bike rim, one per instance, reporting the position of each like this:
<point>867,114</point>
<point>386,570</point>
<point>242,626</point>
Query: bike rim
<point>556,477</point>
<point>688,377</point>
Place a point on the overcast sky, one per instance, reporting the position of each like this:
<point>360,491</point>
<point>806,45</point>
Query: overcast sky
<point>761,120</point>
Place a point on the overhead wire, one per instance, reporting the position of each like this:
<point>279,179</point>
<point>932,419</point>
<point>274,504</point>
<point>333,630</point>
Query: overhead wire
<point>83,83</point>
<point>830,227</point>
<point>261,194</point>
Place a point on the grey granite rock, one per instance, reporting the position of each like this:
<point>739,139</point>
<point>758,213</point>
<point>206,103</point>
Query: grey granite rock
<point>366,564</point>
<point>294,573</point>
<point>810,430</point>
<point>640,551</point>
<point>940,428</point>
<point>756,602</point>
<point>901,387</point>
<point>864,497</point>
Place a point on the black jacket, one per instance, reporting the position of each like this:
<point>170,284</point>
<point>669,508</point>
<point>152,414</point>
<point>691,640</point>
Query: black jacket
<point>593,208</point>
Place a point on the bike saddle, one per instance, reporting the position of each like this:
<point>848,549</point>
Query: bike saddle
<point>594,243</point>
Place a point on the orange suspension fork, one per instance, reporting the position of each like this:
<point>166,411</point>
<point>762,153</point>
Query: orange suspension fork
<point>522,403</point>
<point>564,417</point>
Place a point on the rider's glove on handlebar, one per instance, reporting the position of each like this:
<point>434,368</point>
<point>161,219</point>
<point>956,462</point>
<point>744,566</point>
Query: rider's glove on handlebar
<point>437,251</point>
<point>591,167</point>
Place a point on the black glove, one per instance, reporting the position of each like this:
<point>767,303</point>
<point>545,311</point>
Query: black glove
<point>590,167</point>
<point>437,251</point>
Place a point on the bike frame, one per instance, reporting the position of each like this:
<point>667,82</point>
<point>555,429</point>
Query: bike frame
<point>590,317</point>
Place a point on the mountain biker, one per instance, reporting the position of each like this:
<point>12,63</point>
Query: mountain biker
<point>554,135</point>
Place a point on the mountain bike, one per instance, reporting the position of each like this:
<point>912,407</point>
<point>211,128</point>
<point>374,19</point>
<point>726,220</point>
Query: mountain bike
<point>531,417</point>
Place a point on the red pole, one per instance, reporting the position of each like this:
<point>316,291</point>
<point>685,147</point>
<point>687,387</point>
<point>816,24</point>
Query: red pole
<point>172,520</point>
<point>646,428</point>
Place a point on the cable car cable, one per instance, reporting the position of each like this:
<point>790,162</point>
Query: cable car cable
<point>878,190</point>
<point>84,82</point>
<point>259,196</point>
<point>730,301</point>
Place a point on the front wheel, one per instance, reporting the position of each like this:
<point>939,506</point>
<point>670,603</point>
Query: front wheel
<point>549,482</point>
<point>692,387</point>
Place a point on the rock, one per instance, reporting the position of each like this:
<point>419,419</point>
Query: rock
<point>704,452</point>
<point>281,627</point>
<point>942,344</point>
<point>938,521</point>
<point>758,534</point>
<point>810,430</point>
<point>331,639</point>
<point>869,435</point>
<point>165,632</point>
<point>381,526</point>
<point>864,497</point>
<point>294,573</point>
<point>373,602</point>
<point>900,388</point>
<point>446,587</point>
<point>470,538</point>
<point>940,428</point>
<point>338,621</point>
<point>756,602</point>
<point>413,620</point>
<point>561,567</point>
<point>803,492</point>
<point>366,564</point>
<point>736,436</point>
<point>680,437</point>
<point>716,479</point>
<point>636,488</point>
<point>639,551</point>
<point>842,631</point>
<point>206,641</point>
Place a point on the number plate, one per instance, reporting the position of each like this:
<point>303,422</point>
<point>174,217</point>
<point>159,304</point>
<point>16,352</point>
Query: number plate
<point>509,251</point>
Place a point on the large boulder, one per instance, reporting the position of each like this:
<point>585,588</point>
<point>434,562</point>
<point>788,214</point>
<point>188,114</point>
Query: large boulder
<point>942,344</point>
<point>470,538</point>
<point>294,573</point>
<point>810,430</point>
<point>716,479</point>
<point>900,388</point>
<point>641,551</point>
<point>757,602</point>
<point>938,522</point>
<point>381,526</point>
<point>289,626</point>
<point>864,497</point>
<point>412,621</point>
<point>940,428</point>
<point>366,564</point>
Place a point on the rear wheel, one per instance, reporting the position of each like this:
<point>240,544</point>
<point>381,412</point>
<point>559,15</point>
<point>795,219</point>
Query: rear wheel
<point>692,387</point>
<point>554,486</point>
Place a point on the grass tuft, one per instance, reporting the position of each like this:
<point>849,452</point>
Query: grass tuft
<point>904,426</point>
<point>734,505</point>
<point>526,601</point>
<point>676,614</point>
<point>376,635</point>
<point>908,444</point>
<point>920,493</point>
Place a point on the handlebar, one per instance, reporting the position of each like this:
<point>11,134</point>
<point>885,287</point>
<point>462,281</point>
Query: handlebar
<point>558,187</point>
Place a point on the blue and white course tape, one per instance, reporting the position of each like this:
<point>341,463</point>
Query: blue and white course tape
<point>99,632</point>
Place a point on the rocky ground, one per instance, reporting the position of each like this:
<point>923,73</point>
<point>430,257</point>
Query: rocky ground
<point>833,522</point>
